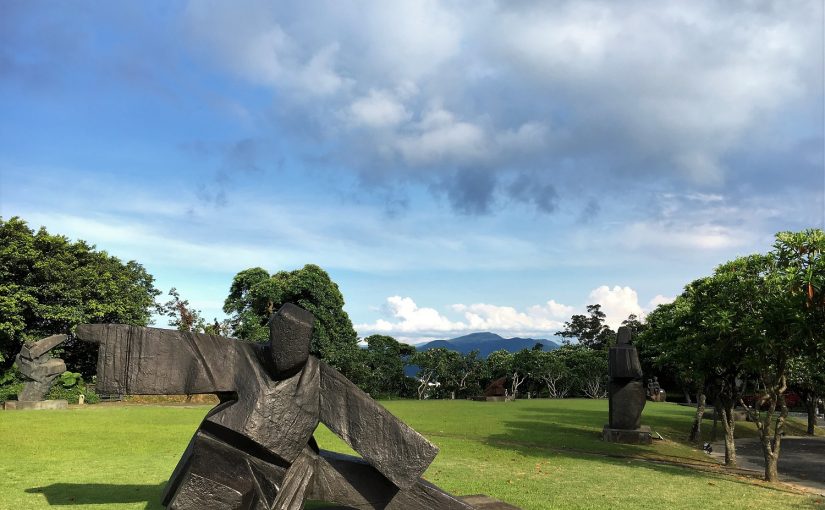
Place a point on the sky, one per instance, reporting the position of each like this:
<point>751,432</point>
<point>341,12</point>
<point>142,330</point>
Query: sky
<point>454,166</point>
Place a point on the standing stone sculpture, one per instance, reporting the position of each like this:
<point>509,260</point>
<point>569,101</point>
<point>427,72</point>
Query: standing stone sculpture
<point>39,370</point>
<point>626,392</point>
<point>255,449</point>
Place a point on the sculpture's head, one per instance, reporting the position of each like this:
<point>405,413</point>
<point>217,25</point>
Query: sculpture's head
<point>290,334</point>
<point>623,336</point>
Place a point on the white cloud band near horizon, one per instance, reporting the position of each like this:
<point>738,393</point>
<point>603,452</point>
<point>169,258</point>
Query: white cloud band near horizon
<point>412,323</point>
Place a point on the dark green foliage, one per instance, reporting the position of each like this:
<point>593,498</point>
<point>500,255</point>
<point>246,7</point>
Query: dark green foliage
<point>69,386</point>
<point>10,384</point>
<point>49,284</point>
<point>586,369</point>
<point>255,295</point>
<point>384,360</point>
<point>589,330</point>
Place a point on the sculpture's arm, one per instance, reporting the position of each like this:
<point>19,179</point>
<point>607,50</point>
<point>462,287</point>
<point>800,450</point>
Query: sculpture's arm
<point>388,444</point>
<point>151,361</point>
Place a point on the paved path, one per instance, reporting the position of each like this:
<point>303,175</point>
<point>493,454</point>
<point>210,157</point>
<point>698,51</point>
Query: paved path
<point>801,461</point>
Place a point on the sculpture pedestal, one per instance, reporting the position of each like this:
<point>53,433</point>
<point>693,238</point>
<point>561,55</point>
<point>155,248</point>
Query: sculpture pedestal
<point>21,405</point>
<point>636,436</point>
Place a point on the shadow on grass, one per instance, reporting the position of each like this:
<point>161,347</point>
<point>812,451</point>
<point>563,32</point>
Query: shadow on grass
<point>100,493</point>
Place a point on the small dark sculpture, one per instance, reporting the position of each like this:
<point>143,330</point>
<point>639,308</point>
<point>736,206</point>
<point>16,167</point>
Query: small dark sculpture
<point>655,393</point>
<point>626,392</point>
<point>38,368</point>
<point>496,388</point>
<point>255,450</point>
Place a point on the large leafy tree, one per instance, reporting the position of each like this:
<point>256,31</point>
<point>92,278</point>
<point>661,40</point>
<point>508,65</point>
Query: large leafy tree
<point>587,368</point>
<point>384,360</point>
<point>435,371</point>
<point>590,330</point>
<point>49,284</point>
<point>674,342</point>
<point>792,299</point>
<point>255,295</point>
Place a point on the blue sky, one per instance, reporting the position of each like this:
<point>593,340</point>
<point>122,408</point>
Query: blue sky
<point>454,166</point>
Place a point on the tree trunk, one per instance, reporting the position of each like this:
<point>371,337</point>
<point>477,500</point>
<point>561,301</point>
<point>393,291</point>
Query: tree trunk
<point>729,423</point>
<point>810,405</point>
<point>771,473</point>
<point>713,432</point>
<point>687,396</point>
<point>696,429</point>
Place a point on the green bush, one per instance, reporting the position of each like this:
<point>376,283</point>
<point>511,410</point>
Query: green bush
<point>69,386</point>
<point>10,384</point>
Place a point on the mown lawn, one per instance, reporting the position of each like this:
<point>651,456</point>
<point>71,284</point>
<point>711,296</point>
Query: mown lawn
<point>535,454</point>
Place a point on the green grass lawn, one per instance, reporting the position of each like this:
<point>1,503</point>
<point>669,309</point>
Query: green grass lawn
<point>532,453</point>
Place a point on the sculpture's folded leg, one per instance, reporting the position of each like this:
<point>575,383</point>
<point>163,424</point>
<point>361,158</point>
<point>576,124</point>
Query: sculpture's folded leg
<point>217,476</point>
<point>350,481</point>
<point>297,480</point>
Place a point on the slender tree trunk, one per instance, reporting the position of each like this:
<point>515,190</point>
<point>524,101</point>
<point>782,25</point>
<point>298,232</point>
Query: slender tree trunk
<point>771,443</point>
<point>728,423</point>
<point>696,429</point>
<point>687,395</point>
<point>810,406</point>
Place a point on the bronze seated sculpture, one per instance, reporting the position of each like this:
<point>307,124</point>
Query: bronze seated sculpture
<point>256,450</point>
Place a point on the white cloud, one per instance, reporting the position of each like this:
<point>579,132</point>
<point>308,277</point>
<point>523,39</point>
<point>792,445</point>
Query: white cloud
<point>691,237</point>
<point>413,321</point>
<point>617,303</point>
<point>378,109</point>
<point>657,300</point>
<point>486,317</point>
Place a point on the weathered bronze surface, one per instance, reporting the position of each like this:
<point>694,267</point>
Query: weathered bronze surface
<point>255,450</point>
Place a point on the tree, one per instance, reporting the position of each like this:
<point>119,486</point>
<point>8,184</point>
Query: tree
<point>384,359</point>
<point>591,331</point>
<point>525,364</point>
<point>637,326</point>
<point>806,375</point>
<point>800,268</point>
<point>49,284</point>
<point>792,298</point>
<point>468,369</point>
<point>499,364</point>
<point>434,370</point>
<point>185,318</point>
<point>551,370</point>
<point>674,342</point>
<point>255,295</point>
<point>587,369</point>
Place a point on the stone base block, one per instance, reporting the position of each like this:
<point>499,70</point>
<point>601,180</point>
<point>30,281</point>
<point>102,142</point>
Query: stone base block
<point>21,405</point>
<point>637,436</point>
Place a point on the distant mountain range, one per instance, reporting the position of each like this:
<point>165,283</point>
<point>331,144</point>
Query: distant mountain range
<point>486,343</point>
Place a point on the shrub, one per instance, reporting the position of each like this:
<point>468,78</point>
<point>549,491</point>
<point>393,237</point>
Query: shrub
<point>69,386</point>
<point>10,384</point>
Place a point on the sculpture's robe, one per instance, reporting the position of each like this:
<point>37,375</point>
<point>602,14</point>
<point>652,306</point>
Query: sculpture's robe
<point>267,422</point>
